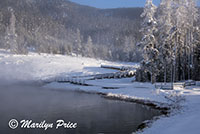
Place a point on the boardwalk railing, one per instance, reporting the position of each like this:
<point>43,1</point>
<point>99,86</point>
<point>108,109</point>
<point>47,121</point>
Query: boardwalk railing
<point>82,80</point>
<point>124,72</point>
<point>121,68</point>
<point>170,86</point>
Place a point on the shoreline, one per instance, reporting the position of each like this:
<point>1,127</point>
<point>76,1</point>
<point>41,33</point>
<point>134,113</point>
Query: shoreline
<point>164,109</point>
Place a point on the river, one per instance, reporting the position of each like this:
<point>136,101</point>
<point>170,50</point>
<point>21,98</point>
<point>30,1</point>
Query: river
<point>92,113</point>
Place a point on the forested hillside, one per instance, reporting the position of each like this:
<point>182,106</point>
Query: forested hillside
<point>63,27</point>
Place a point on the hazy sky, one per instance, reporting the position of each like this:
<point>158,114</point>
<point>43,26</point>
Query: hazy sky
<point>113,3</point>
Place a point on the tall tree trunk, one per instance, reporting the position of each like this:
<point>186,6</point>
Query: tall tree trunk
<point>165,74</point>
<point>172,75</point>
<point>192,53</point>
<point>189,55</point>
<point>174,72</point>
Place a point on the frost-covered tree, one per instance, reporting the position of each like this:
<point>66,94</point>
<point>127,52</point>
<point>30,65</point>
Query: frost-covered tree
<point>164,37</point>
<point>184,16</point>
<point>192,16</point>
<point>196,70</point>
<point>88,48</point>
<point>78,43</point>
<point>1,16</point>
<point>1,27</point>
<point>127,48</point>
<point>11,35</point>
<point>169,42</point>
<point>149,42</point>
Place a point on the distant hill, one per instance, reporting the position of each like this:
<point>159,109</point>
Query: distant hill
<point>129,13</point>
<point>54,25</point>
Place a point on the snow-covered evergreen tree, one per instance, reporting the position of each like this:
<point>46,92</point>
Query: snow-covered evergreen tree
<point>149,41</point>
<point>169,39</point>
<point>127,48</point>
<point>88,48</point>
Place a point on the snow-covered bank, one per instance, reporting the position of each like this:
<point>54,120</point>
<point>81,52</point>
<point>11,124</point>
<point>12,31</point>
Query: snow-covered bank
<point>36,67</point>
<point>186,121</point>
<point>39,67</point>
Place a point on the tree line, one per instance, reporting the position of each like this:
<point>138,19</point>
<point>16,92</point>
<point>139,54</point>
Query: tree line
<point>170,41</point>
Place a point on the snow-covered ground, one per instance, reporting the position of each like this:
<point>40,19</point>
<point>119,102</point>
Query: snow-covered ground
<point>39,67</point>
<point>36,67</point>
<point>186,121</point>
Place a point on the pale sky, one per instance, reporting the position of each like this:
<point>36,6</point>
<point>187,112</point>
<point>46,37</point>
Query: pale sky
<point>114,3</point>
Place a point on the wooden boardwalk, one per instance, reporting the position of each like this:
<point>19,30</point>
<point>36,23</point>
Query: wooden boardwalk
<point>81,80</point>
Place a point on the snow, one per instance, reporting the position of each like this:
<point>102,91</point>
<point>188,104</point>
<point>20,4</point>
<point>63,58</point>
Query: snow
<point>187,121</point>
<point>35,67</point>
<point>184,119</point>
<point>122,88</point>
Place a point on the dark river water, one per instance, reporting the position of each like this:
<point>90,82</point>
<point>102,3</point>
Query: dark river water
<point>92,113</point>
